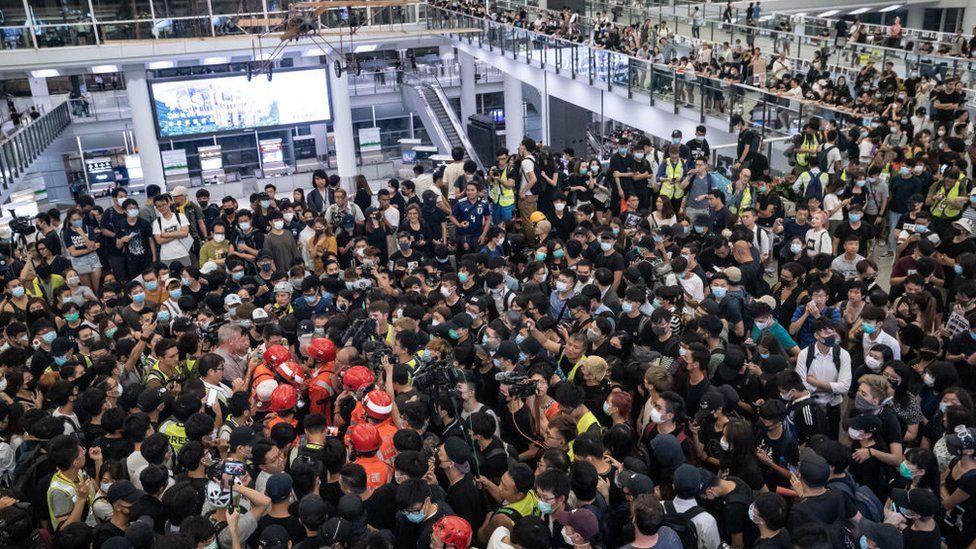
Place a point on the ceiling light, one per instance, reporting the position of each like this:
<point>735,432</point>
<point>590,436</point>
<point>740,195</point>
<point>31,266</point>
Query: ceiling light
<point>214,60</point>
<point>104,69</point>
<point>314,52</point>
<point>859,11</point>
<point>366,48</point>
<point>889,8</point>
<point>45,73</point>
<point>829,13</point>
<point>159,65</point>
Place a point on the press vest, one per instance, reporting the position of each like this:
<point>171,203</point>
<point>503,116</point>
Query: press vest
<point>676,171</point>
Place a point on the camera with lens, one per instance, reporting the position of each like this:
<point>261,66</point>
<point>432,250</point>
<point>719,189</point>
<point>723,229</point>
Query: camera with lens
<point>519,385</point>
<point>22,226</point>
<point>435,376</point>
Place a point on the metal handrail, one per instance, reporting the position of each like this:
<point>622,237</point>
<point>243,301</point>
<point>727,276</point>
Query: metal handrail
<point>23,146</point>
<point>455,122</point>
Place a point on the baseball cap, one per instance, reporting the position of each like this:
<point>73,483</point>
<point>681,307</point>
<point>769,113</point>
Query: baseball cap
<point>462,320</point>
<point>507,349</point>
<point>734,274</point>
<point>264,255</point>
<point>636,483</point>
<point>209,267</point>
<point>866,423</point>
<point>666,451</point>
<point>917,500</point>
<point>728,369</point>
<point>884,535</point>
<point>278,487</point>
<point>713,400</point>
<point>123,490</point>
<point>243,436</point>
<point>274,536</point>
<point>457,450</point>
<point>581,520</point>
<point>232,300</point>
<point>335,530</point>
<point>814,469</point>
<point>259,316</point>
<point>149,399</point>
<point>691,481</point>
<point>140,532</point>
<point>283,287</point>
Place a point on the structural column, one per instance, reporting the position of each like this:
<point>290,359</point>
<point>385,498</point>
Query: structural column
<point>514,123</point>
<point>144,126</point>
<point>544,110</point>
<point>469,95</point>
<point>40,94</point>
<point>968,17</point>
<point>345,144</point>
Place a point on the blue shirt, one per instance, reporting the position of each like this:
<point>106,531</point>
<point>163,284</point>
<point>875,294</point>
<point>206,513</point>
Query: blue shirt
<point>304,311</point>
<point>473,213</point>
<point>805,337</point>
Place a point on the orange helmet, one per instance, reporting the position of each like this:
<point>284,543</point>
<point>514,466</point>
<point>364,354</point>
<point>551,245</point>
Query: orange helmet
<point>357,377</point>
<point>378,404</point>
<point>453,530</point>
<point>364,438</point>
<point>284,397</point>
<point>321,349</point>
<point>276,354</point>
<point>291,372</point>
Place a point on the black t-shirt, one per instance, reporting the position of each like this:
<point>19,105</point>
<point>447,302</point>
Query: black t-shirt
<point>780,541</point>
<point>864,233</point>
<point>784,452</point>
<point>409,535</point>
<point>622,164</point>
<point>964,344</point>
<point>138,247</point>
<point>379,505</point>
<point>463,496</point>
<point>296,532</point>
<point>832,508</point>
<point>114,448</point>
<point>750,138</point>
<point>103,532</point>
<point>917,538</point>
<point>732,513</point>
<point>945,97</point>
<point>615,262</point>
<point>512,434</point>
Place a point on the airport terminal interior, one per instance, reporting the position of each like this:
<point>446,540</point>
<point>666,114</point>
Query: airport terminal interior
<point>530,274</point>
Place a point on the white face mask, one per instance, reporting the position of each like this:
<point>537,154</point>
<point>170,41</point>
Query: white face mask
<point>445,291</point>
<point>288,216</point>
<point>656,416</point>
<point>872,363</point>
<point>560,206</point>
<point>278,224</point>
<point>724,444</point>
<point>3,384</point>
<point>854,433</point>
<point>219,237</point>
<point>566,537</point>
<point>104,487</point>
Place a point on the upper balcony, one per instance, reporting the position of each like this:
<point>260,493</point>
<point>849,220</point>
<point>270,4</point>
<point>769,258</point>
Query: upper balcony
<point>38,34</point>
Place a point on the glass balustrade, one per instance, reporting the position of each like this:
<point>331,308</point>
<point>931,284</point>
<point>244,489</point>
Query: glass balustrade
<point>80,23</point>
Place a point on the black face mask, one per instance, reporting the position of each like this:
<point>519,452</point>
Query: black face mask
<point>229,211</point>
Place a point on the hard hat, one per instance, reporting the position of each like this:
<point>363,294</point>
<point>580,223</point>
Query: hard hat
<point>264,389</point>
<point>357,377</point>
<point>378,404</point>
<point>285,397</point>
<point>321,349</point>
<point>217,495</point>
<point>291,372</point>
<point>537,216</point>
<point>364,438</point>
<point>276,354</point>
<point>453,530</point>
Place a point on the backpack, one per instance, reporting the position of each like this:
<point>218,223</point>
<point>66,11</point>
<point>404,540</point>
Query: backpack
<point>681,523</point>
<point>811,354</point>
<point>863,497</point>
<point>822,158</point>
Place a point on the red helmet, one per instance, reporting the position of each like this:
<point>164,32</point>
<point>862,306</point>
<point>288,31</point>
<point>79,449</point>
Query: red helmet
<point>357,377</point>
<point>453,530</point>
<point>321,349</point>
<point>365,438</point>
<point>276,354</point>
<point>378,404</point>
<point>284,397</point>
<point>291,372</point>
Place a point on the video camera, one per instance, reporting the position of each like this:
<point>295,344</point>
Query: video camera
<point>22,225</point>
<point>520,385</point>
<point>435,376</point>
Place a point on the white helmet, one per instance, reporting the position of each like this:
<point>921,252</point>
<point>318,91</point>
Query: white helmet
<point>217,495</point>
<point>264,389</point>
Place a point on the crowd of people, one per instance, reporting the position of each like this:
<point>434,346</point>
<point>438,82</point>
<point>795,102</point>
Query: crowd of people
<point>557,351</point>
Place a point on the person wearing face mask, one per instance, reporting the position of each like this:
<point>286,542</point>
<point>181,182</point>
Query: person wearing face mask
<point>218,248</point>
<point>247,240</point>
<point>868,443</point>
<point>121,495</point>
<point>418,513</point>
<point>825,368</point>
<point>280,243</point>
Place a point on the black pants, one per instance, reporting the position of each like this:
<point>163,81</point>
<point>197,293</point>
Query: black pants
<point>833,421</point>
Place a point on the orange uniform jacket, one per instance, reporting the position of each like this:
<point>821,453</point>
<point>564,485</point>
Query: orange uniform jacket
<point>378,472</point>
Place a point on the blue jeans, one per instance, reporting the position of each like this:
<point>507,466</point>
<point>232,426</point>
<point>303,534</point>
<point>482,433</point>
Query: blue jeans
<point>893,218</point>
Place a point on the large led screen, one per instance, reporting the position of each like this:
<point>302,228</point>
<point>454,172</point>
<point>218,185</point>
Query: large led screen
<point>228,103</point>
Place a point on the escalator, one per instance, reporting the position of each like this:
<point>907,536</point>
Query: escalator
<point>426,99</point>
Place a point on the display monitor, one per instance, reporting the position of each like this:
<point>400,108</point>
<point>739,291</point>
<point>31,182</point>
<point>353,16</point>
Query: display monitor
<point>218,104</point>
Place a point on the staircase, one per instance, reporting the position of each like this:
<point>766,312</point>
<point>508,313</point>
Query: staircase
<point>440,113</point>
<point>21,148</point>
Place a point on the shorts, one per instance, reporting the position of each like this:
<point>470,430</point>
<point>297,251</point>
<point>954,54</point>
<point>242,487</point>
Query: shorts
<point>86,264</point>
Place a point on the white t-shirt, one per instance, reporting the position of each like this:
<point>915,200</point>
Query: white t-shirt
<point>174,249</point>
<point>884,338</point>
<point>833,156</point>
<point>830,202</point>
<point>527,166</point>
<point>818,242</point>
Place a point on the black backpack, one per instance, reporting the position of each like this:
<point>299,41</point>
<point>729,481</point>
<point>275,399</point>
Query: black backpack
<point>822,157</point>
<point>681,523</point>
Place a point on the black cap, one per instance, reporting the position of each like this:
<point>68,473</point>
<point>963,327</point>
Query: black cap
<point>920,501</point>
<point>243,436</point>
<point>264,255</point>
<point>480,301</point>
<point>691,481</point>
<point>867,423</point>
<point>140,533</point>
<point>883,535</point>
<point>462,320</point>
<point>123,490</point>
<point>278,487</point>
<point>336,530</point>
<point>457,450</point>
<point>508,350</point>
<point>274,536</point>
<point>773,409</point>
<point>814,470</point>
<point>713,400</point>
<point>150,399</point>
<point>667,451</point>
<point>636,483</point>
